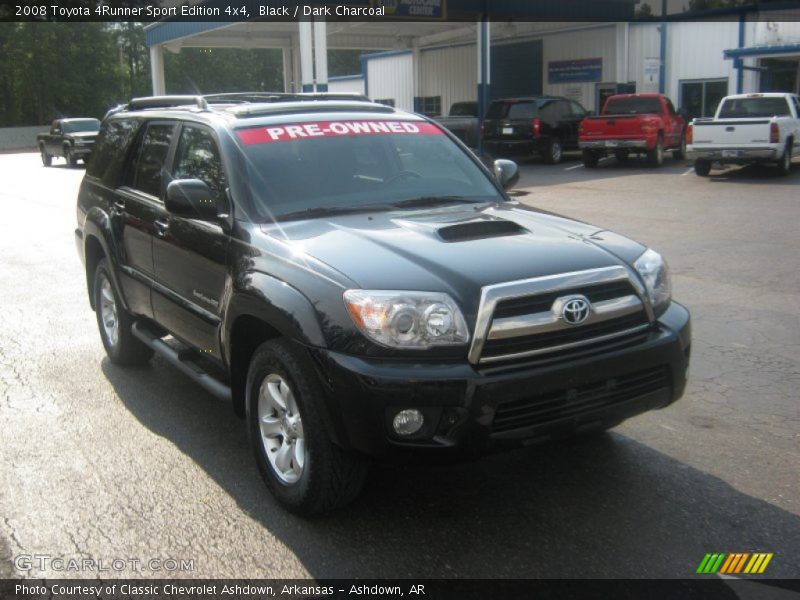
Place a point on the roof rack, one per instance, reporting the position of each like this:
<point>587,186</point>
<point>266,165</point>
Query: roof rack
<point>167,102</point>
<point>249,97</point>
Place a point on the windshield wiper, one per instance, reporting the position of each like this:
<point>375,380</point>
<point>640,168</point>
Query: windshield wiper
<point>324,211</point>
<point>434,201</point>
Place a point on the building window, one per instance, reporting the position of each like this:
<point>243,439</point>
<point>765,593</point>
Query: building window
<point>701,98</point>
<point>386,101</point>
<point>430,106</point>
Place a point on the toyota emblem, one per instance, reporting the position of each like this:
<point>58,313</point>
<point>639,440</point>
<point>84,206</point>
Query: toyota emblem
<point>575,310</point>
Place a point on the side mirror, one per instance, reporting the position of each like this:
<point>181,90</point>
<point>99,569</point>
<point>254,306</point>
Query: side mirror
<point>191,198</point>
<point>506,172</point>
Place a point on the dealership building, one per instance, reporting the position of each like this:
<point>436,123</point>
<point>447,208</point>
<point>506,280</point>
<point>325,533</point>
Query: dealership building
<point>429,64</point>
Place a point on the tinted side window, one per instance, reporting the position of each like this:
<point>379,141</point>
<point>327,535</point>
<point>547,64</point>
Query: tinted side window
<point>576,109</point>
<point>110,151</point>
<point>153,151</point>
<point>522,110</point>
<point>198,158</point>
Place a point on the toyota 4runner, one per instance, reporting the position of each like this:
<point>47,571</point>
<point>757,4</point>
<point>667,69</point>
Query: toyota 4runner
<point>358,284</point>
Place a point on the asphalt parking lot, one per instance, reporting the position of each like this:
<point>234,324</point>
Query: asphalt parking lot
<point>102,463</point>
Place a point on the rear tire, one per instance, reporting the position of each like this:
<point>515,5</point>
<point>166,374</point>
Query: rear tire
<point>114,322</point>
<point>702,167</point>
<point>655,157</point>
<point>554,151</point>
<point>47,160</point>
<point>590,159</point>
<point>680,152</point>
<point>785,163</point>
<point>305,471</point>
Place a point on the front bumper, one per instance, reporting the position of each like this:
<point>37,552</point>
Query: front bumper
<point>733,154</point>
<point>613,145</point>
<point>472,410</point>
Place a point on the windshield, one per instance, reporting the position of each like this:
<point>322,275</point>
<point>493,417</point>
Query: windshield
<point>345,164</point>
<point>632,106</point>
<point>739,108</point>
<point>81,125</point>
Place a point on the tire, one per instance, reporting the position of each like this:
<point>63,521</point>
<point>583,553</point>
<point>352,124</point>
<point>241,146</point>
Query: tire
<point>785,163</point>
<point>590,159</point>
<point>554,151</point>
<point>47,160</point>
<point>306,472</point>
<point>702,167</point>
<point>621,155</point>
<point>69,156</point>
<point>680,152</point>
<point>655,157</point>
<point>114,322</point>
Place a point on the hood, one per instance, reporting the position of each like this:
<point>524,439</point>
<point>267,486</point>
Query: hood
<point>456,250</point>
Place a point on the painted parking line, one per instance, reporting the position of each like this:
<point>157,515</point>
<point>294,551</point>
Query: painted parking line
<point>580,166</point>
<point>687,171</point>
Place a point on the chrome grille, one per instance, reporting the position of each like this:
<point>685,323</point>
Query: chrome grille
<point>519,319</point>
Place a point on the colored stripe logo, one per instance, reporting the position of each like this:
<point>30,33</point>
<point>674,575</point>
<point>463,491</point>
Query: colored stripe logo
<point>735,563</point>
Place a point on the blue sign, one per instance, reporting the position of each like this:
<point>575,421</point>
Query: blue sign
<point>414,9</point>
<point>574,71</point>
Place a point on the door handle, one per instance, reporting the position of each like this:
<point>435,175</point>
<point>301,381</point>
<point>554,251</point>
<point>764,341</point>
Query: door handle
<point>161,225</point>
<point>119,206</point>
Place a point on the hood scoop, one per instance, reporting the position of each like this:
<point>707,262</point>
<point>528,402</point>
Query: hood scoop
<point>479,229</point>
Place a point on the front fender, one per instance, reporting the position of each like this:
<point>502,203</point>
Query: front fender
<point>277,304</point>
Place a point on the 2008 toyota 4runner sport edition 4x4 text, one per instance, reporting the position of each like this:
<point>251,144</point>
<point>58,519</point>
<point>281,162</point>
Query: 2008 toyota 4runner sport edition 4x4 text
<point>358,284</point>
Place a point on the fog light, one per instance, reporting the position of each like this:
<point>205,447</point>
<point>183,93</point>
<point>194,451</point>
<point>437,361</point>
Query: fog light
<point>408,421</point>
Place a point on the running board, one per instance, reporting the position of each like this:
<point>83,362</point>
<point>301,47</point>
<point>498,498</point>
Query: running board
<point>183,360</point>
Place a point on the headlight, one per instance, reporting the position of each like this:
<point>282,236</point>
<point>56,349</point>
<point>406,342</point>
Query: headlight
<point>407,319</point>
<point>655,273</point>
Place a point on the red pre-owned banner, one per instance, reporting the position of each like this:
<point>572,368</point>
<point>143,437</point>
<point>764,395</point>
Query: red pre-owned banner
<point>287,133</point>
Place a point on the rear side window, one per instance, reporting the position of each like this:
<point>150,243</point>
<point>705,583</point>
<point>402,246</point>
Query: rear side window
<point>633,106</point>
<point>111,148</point>
<point>198,157</point>
<point>742,108</point>
<point>149,172</point>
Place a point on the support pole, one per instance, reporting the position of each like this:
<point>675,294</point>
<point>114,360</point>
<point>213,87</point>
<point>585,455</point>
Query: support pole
<point>484,73</point>
<point>662,69</point>
<point>286,54</point>
<point>321,54</point>
<point>157,70</point>
<point>306,56</point>
<point>738,62</point>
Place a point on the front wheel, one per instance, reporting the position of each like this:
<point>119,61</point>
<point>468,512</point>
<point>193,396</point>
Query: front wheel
<point>47,160</point>
<point>655,157</point>
<point>304,470</point>
<point>553,152</point>
<point>680,152</point>
<point>115,323</point>
<point>702,167</point>
<point>70,156</point>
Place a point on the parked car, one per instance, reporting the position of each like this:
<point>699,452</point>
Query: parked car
<point>71,138</point>
<point>543,125</point>
<point>633,123</point>
<point>357,284</point>
<point>747,128</point>
<point>463,122</point>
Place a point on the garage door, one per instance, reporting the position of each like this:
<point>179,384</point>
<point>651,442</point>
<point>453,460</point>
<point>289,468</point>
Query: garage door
<point>517,69</point>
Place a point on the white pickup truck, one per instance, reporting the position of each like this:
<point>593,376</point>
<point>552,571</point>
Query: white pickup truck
<point>747,128</point>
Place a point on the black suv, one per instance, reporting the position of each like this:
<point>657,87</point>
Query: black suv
<point>358,284</point>
<point>545,125</point>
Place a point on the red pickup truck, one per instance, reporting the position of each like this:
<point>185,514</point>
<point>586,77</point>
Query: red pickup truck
<point>641,123</point>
